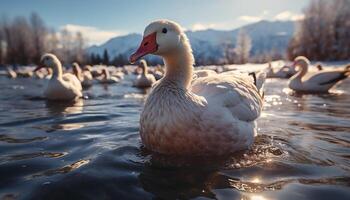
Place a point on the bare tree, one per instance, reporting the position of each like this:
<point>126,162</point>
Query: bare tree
<point>66,46</point>
<point>39,34</point>
<point>21,40</point>
<point>52,42</point>
<point>243,47</point>
<point>79,47</point>
<point>229,52</point>
<point>324,32</point>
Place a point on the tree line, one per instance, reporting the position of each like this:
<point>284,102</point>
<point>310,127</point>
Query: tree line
<point>23,41</point>
<point>324,33</point>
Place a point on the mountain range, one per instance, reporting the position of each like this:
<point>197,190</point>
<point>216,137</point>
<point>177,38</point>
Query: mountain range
<point>265,35</point>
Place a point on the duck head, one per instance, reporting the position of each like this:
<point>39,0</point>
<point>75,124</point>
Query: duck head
<point>301,61</point>
<point>160,38</point>
<point>76,69</point>
<point>48,60</point>
<point>52,63</point>
<point>143,66</point>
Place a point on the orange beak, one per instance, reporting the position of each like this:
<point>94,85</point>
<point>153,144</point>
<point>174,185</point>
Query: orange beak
<point>148,45</point>
<point>38,68</point>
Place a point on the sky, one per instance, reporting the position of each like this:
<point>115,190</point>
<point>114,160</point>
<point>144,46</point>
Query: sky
<point>104,19</point>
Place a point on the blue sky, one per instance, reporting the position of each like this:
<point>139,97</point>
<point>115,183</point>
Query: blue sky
<point>101,20</point>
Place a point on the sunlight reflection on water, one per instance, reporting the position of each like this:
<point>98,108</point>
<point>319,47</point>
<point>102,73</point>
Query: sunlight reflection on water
<point>92,150</point>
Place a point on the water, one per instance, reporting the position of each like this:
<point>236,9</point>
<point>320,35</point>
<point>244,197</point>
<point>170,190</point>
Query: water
<point>92,149</point>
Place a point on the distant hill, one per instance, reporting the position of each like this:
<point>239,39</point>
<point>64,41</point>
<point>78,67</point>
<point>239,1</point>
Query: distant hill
<point>265,35</point>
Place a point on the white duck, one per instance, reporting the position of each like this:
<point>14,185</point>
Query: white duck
<point>145,79</point>
<point>107,78</point>
<point>85,77</point>
<point>11,73</point>
<point>284,72</point>
<point>61,86</point>
<point>320,82</point>
<point>158,72</point>
<point>214,115</point>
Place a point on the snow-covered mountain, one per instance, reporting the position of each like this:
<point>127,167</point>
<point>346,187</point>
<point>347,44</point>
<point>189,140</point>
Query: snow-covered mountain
<point>265,35</point>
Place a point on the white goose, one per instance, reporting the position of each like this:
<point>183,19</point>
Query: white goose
<point>84,77</point>
<point>145,79</point>
<point>284,72</point>
<point>320,82</point>
<point>214,115</point>
<point>61,86</point>
<point>107,78</point>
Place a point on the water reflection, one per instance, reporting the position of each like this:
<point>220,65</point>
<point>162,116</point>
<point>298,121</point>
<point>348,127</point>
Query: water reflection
<point>52,150</point>
<point>58,108</point>
<point>66,112</point>
<point>174,177</point>
<point>257,197</point>
<point>62,170</point>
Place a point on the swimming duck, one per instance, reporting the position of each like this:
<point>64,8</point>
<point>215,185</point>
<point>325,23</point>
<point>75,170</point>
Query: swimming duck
<point>61,86</point>
<point>320,82</point>
<point>158,72</point>
<point>145,79</point>
<point>107,78</point>
<point>214,115</point>
<point>84,77</point>
<point>284,72</point>
<point>11,73</point>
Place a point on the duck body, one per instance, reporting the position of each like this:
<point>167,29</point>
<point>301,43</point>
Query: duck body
<point>215,117</point>
<point>87,79</point>
<point>319,82</point>
<point>144,80</point>
<point>66,88</point>
<point>108,79</point>
<point>84,76</point>
<point>210,115</point>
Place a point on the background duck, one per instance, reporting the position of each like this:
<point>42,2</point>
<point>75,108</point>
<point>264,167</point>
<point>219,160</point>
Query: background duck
<point>144,79</point>
<point>319,82</point>
<point>61,86</point>
<point>84,77</point>
<point>107,78</point>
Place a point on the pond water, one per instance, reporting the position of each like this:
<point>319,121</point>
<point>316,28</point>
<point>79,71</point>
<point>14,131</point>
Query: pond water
<point>91,149</point>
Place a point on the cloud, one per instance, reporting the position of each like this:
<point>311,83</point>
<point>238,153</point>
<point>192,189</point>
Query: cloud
<point>203,26</point>
<point>249,18</point>
<point>92,34</point>
<point>287,15</point>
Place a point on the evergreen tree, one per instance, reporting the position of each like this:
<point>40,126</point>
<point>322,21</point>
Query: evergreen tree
<point>105,57</point>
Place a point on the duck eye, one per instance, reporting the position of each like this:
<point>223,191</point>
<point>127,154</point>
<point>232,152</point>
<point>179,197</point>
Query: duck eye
<point>164,30</point>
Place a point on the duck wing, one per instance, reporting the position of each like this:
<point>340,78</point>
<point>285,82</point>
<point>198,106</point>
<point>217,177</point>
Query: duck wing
<point>329,77</point>
<point>72,83</point>
<point>237,94</point>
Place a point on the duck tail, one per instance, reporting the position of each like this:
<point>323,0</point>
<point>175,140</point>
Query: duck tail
<point>347,70</point>
<point>259,81</point>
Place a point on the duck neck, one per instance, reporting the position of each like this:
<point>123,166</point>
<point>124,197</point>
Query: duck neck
<point>57,71</point>
<point>301,73</point>
<point>106,72</point>
<point>144,70</point>
<point>179,67</point>
<point>77,72</point>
